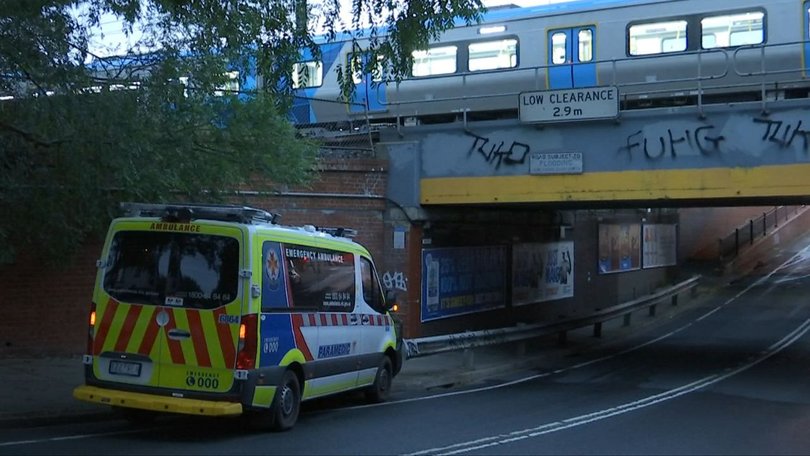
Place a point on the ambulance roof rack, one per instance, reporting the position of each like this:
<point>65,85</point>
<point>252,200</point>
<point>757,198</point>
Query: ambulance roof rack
<point>185,212</point>
<point>338,231</point>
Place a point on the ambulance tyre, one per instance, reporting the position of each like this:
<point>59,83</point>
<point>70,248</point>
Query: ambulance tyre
<point>378,391</point>
<point>286,403</point>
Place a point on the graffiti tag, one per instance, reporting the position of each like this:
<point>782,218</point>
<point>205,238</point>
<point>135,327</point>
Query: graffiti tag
<point>395,281</point>
<point>672,142</point>
<point>496,153</point>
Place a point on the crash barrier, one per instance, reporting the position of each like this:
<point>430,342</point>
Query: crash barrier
<point>426,346</point>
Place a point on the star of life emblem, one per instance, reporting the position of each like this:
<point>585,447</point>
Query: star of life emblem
<point>273,268</point>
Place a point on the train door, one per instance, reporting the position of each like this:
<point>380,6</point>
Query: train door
<point>368,94</point>
<point>571,57</point>
<point>806,35</point>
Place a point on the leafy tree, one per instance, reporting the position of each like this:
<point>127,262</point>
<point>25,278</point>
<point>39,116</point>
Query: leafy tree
<point>84,131</point>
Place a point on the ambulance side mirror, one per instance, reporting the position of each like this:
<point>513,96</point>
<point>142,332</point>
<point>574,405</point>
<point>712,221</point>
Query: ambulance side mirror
<point>391,301</point>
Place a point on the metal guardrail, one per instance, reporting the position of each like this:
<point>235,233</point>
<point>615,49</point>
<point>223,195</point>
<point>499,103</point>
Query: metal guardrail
<point>425,346</point>
<point>747,233</point>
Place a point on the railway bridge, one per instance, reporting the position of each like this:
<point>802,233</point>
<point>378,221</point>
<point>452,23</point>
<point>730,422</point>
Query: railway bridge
<point>727,154</point>
<point>529,219</point>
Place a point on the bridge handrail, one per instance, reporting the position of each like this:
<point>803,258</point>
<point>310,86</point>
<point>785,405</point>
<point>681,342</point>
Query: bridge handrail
<point>614,64</point>
<point>747,233</point>
<point>431,345</point>
<point>762,49</point>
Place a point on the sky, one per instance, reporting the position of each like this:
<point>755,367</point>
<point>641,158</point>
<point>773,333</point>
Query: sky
<point>110,39</point>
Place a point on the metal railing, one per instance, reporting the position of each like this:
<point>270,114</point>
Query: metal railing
<point>747,233</point>
<point>615,66</point>
<point>432,345</point>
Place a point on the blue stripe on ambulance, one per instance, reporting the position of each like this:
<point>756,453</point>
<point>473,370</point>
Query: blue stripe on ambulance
<point>277,338</point>
<point>276,329</point>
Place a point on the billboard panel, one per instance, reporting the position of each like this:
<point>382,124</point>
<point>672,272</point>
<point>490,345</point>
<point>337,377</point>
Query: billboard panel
<point>462,280</point>
<point>660,245</point>
<point>542,272</point>
<point>619,247</point>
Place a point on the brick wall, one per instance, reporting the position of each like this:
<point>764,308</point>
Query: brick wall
<point>46,308</point>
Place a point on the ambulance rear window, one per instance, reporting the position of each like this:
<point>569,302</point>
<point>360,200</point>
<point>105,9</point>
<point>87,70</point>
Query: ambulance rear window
<point>177,269</point>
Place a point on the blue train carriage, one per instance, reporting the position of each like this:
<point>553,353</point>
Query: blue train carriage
<point>658,52</point>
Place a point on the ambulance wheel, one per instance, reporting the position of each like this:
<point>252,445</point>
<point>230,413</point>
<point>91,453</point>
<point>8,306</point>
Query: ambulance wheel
<point>378,392</point>
<point>286,403</point>
<point>135,416</point>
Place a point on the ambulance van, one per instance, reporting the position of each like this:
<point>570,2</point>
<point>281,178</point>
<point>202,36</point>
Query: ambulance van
<point>219,310</point>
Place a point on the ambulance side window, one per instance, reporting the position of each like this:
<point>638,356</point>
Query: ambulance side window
<point>320,279</point>
<point>371,286</point>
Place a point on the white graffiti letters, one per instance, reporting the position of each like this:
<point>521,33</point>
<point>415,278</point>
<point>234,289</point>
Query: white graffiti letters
<point>395,280</point>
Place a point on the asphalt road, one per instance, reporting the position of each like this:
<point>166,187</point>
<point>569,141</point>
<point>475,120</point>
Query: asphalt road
<point>728,376</point>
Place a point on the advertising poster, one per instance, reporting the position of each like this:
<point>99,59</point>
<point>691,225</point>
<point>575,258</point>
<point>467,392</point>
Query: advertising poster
<point>660,246</point>
<point>457,281</point>
<point>619,247</point>
<point>542,272</point>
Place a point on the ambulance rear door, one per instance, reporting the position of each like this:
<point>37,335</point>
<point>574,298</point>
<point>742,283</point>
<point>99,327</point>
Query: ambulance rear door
<point>186,278</point>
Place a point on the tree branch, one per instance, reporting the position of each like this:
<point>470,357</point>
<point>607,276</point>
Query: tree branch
<point>28,136</point>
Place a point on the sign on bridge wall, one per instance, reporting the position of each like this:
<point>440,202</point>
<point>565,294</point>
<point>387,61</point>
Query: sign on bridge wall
<point>542,272</point>
<point>569,104</point>
<point>462,280</point>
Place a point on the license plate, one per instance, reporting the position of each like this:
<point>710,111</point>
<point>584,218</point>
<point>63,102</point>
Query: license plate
<point>125,368</point>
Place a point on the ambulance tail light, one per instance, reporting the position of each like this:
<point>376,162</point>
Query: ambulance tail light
<point>248,335</point>
<point>91,328</point>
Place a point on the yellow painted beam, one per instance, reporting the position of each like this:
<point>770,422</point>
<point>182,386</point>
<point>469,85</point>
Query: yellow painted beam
<point>762,181</point>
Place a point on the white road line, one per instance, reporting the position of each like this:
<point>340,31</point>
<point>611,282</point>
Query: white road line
<point>504,439</point>
<point>72,437</point>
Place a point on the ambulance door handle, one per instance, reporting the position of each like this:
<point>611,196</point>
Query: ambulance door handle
<point>177,334</point>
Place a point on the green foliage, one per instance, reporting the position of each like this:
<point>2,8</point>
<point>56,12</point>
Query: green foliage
<point>86,131</point>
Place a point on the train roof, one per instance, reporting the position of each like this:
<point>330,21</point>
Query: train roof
<point>552,9</point>
<point>503,13</point>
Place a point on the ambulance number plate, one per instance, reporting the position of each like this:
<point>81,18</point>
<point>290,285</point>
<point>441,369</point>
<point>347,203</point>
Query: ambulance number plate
<point>125,368</point>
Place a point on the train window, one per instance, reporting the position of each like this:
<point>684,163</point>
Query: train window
<point>709,41</point>
<point>657,37</point>
<point>491,55</point>
<point>231,85</point>
<point>732,30</point>
<point>357,69</point>
<point>675,44</point>
<point>585,45</point>
<point>307,74</point>
<point>435,61</point>
<point>559,50</point>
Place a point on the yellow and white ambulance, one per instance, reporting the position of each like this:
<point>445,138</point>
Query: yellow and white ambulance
<point>218,310</point>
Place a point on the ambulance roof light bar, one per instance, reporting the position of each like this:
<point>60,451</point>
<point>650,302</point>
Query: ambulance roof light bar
<point>185,212</point>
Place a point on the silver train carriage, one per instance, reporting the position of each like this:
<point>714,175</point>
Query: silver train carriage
<point>657,52</point>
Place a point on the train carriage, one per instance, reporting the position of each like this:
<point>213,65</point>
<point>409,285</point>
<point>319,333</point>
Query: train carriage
<point>657,52</point>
